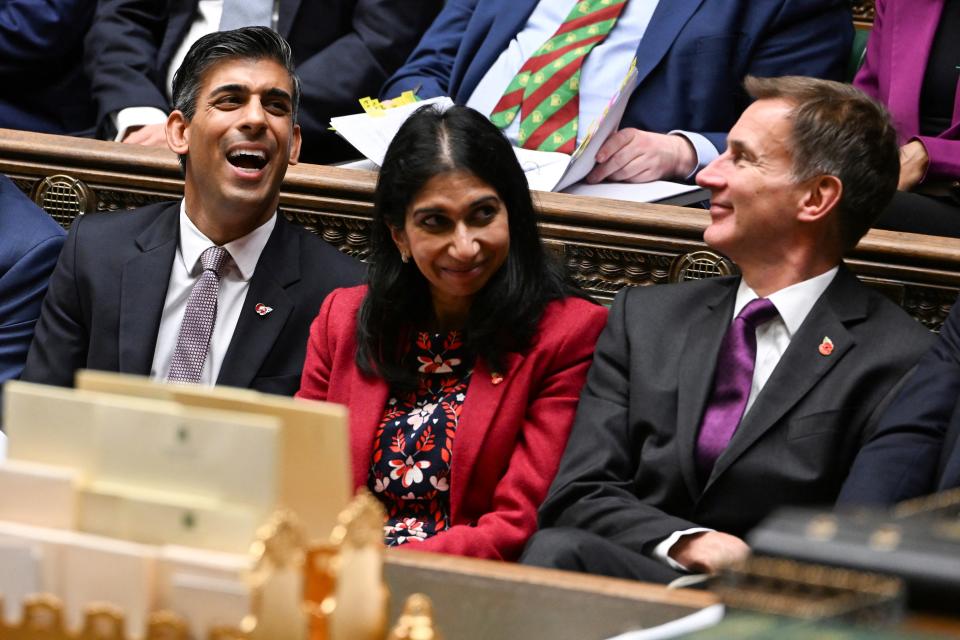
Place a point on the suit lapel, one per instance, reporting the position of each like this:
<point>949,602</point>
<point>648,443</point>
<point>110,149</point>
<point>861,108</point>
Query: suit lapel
<point>697,364</point>
<point>143,286</point>
<point>180,15</point>
<point>369,396</point>
<point>288,11</point>
<point>912,41</point>
<point>802,366</point>
<point>665,23</point>
<point>507,20</point>
<point>479,411</point>
<point>255,334</point>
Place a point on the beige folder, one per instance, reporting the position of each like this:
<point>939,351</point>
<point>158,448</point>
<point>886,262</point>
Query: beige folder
<point>314,455</point>
<point>147,444</point>
<point>38,494</point>
<point>153,517</point>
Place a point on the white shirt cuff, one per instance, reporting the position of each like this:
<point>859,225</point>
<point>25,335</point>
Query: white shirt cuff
<point>662,551</point>
<point>704,149</point>
<point>136,117</point>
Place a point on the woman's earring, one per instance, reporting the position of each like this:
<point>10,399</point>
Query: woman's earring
<point>404,256</point>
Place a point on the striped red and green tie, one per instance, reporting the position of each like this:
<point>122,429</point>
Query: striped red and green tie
<point>546,90</point>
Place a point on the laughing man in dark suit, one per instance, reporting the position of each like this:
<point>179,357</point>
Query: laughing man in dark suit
<point>125,283</point>
<point>706,407</point>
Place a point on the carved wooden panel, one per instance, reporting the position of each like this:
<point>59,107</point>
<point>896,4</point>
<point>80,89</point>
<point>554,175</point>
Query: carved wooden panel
<point>605,244</point>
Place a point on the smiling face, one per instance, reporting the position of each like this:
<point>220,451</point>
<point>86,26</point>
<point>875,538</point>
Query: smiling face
<point>238,145</point>
<point>754,199</point>
<point>456,231</point>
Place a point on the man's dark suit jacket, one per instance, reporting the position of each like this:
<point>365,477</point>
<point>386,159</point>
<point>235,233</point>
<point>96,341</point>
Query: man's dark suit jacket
<point>106,296</point>
<point>42,84</point>
<point>343,49</point>
<point>915,450</point>
<point>629,472</point>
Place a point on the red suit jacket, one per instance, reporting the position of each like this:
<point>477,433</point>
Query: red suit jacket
<point>893,71</point>
<point>510,436</point>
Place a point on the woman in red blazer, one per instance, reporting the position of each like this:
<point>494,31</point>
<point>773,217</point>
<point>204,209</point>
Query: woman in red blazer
<point>912,66</point>
<point>462,361</point>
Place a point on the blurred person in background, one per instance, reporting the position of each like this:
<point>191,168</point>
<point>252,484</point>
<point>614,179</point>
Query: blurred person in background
<point>912,66</point>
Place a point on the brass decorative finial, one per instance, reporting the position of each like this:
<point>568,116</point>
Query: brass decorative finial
<point>416,621</point>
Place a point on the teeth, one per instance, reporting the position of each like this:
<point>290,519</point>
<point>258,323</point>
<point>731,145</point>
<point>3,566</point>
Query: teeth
<point>249,153</point>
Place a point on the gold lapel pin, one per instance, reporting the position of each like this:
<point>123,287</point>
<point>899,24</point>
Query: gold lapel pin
<point>826,346</point>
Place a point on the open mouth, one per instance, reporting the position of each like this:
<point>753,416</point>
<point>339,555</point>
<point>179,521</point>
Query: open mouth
<point>247,159</point>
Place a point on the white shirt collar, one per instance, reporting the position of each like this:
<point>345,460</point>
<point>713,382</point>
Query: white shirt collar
<point>245,251</point>
<point>793,302</point>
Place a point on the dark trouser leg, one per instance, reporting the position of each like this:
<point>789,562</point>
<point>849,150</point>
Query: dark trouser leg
<point>579,550</point>
<point>917,213</point>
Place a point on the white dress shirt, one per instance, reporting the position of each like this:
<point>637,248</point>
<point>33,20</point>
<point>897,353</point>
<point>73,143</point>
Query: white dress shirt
<point>234,283</point>
<point>793,303</point>
<point>206,20</point>
<point>603,70</point>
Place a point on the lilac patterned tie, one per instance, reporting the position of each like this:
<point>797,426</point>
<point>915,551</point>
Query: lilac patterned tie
<point>731,382</point>
<point>198,319</point>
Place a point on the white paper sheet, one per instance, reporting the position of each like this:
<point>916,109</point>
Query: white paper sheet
<point>657,191</point>
<point>585,157</point>
<point>372,134</point>
<point>545,170</point>
<point>706,617</point>
<point>20,564</point>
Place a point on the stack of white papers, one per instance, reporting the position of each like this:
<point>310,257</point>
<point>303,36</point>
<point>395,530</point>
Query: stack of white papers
<point>371,134</point>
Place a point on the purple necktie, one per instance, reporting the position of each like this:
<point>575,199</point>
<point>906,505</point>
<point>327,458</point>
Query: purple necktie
<point>198,319</point>
<point>731,382</point>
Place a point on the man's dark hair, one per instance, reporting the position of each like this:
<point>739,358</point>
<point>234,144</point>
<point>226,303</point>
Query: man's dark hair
<point>246,43</point>
<point>840,131</point>
<point>504,315</point>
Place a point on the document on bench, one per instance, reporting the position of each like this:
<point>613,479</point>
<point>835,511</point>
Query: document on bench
<point>703,619</point>
<point>657,191</point>
<point>371,134</point>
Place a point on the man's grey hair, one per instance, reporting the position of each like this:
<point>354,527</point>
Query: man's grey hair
<point>838,130</point>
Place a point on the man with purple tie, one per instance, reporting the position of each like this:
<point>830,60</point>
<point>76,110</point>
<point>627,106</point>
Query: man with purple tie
<point>711,403</point>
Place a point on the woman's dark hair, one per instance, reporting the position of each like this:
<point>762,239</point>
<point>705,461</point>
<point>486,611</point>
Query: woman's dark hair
<point>504,315</point>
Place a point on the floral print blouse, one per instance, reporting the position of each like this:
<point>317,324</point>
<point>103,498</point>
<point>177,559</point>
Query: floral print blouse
<point>413,445</point>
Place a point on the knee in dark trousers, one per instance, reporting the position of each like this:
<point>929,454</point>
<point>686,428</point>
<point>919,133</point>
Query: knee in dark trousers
<point>579,550</point>
<point>556,548</point>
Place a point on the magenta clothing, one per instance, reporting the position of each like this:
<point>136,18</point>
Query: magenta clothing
<point>893,72</point>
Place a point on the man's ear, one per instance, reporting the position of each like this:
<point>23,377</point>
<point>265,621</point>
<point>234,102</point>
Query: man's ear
<point>178,133</point>
<point>822,196</point>
<point>295,142</point>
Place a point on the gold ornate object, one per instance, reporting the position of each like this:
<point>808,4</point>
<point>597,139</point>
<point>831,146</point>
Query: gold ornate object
<point>416,621</point>
<point>102,621</point>
<point>276,580</point>
<point>64,198</point>
<point>345,595</point>
<point>42,618</point>
<point>697,265</point>
<point>166,625</point>
<point>226,633</point>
